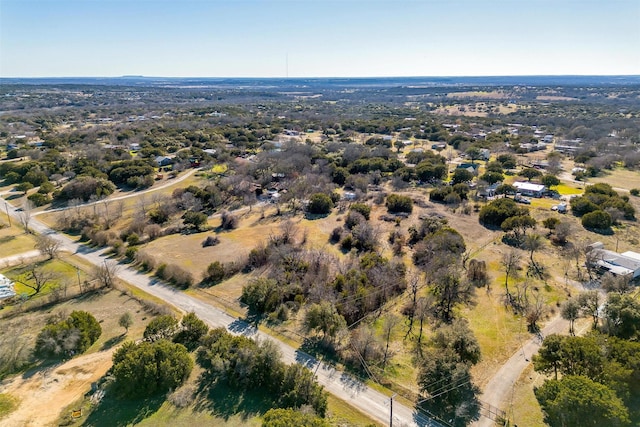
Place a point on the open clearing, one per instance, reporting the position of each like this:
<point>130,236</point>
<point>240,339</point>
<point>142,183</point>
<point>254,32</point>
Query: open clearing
<point>619,178</point>
<point>44,390</point>
<point>58,386</point>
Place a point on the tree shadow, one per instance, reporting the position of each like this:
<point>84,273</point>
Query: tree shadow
<point>240,327</point>
<point>112,342</point>
<point>602,231</point>
<point>123,412</point>
<point>42,368</point>
<point>319,348</point>
<point>312,217</point>
<point>225,401</point>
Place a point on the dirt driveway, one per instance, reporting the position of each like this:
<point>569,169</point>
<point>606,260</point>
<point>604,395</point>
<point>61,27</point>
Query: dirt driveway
<point>42,395</point>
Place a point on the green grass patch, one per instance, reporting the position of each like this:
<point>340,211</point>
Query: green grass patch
<point>342,413</point>
<point>8,404</point>
<point>220,168</point>
<point>567,190</point>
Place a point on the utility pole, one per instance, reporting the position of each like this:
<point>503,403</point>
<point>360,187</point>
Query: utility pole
<point>391,409</point>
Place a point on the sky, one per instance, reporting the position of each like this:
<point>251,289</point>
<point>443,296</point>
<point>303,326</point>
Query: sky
<point>318,38</point>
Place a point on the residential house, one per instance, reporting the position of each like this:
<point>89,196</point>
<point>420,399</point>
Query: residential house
<point>164,161</point>
<point>529,189</point>
<point>624,264</point>
<point>471,167</point>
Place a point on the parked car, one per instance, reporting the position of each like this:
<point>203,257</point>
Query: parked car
<point>521,199</point>
<point>561,208</point>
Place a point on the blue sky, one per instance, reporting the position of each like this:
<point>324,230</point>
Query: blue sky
<point>320,38</point>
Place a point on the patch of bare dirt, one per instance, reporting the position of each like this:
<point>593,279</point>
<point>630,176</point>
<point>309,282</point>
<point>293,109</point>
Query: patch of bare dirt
<point>43,393</point>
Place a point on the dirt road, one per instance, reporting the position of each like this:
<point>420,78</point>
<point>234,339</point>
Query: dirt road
<point>126,196</point>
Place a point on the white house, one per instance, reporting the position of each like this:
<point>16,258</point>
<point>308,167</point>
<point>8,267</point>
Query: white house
<point>529,189</point>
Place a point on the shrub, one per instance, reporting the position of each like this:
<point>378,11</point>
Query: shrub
<point>494,213</point>
<point>68,337</point>
<point>161,271</point>
<point>438,194</point>
<point>215,273</point>
<point>46,187</point>
<point>229,221</point>
<point>178,276</point>
<point>210,241</point>
<point>193,328</point>
<point>635,192</point>
<point>131,253</point>
<point>362,208</point>
<point>261,295</point>
<point>147,261</point>
<point>347,242</point>
<point>582,205</point>
<point>194,219</point>
<point>162,327</point>
<point>320,203</point>
<point>133,239</point>
<point>353,219</point>
<point>336,235</point>
<point>258,257</point>
<point>397,203</point>
<point>83,187</point>
<point>145,369</point>
<point>39,199</point>
<point>550,223</point>
<point>598,220</point>
<point>153,231</point>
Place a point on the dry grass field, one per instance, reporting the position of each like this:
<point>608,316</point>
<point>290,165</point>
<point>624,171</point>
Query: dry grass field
<point>13,240</point>
<point>619,178</point>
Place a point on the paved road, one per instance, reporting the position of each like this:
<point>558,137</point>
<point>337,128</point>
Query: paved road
<point>338,383</point>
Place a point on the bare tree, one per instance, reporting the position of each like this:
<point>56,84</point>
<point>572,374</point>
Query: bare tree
<point>534,312</point>
<point>619,284</point>
<point>562,231</point>
<point>389,323</point>
<point>37,278</point>
<point>477,274</point>
<point>413,281</point>
<point>365,343</point>
<point>424,306</point>
<point>510,263</point>
<point>25,215</point>
<point>47,245</point>
<point>106,273</point>
<point>289,230</point>
<point>533,243</point>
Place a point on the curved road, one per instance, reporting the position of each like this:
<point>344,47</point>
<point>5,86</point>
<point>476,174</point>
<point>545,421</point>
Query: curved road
<point>338,383</point>
<point>169,183</point>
